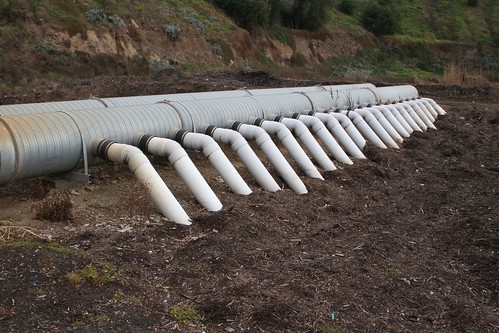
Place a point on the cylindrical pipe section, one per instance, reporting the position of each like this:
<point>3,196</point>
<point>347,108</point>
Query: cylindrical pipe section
<point>421,114</point>
<point>179,159</point>
<point>215,155</point>
<point>144,172</point>
<point>368,133</point>
<point>243,150</point>
<point>386,124</point>
<point>263,140</point>
<point>437,107</point>
<point>302,132</point>
<point>334,126</point>
<point>377,127</point>
<point>415,117</point>
<point>406,129</point>
<point>289,142</point>
<point>405,110</point>
<point>396,120</point>
<point>430,108</point>
<point>351,130</point>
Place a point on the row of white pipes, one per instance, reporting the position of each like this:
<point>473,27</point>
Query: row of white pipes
<point>47,138</point>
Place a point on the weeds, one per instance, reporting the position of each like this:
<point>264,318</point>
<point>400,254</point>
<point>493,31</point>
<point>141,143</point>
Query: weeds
<point>58,207</point>
<point>34,189</point>
<point>45,47</point>
<point>53,246</point>
<point>97,275</point>
<point>183,314</point>
<point>137,201</point>
<point>172,32</point>
<point>459,75</point>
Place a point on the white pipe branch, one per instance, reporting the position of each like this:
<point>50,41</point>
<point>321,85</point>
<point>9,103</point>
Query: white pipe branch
<point>387,125</point>
<point>400,119</point>
<point>243,150</point>
<point>263,140</point>
<point>430,108</point>
<point>405,114</point>
<point>341,134</point>
<point>377,127</point>
<point>421,114</point>
<point>437,107</point>
<point>144,172</point>
<point>215,155</point>
<point>414,115</point>
<point>302,132</point>
<point>396,120</point>
<point>289,142</point>
<point>179,159</point>
<point>362,125</point>
<point>351,130</point>
<point>425,109</point>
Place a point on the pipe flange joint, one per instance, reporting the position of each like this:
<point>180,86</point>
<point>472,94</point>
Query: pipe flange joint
<point>144,142</point>
<point>278,118</point>
<point>258,121</point>
<point>180,135</point>
<point>102,148</point>
<point>235,125</point>
<point>310,113</point>
<point>296,115</point>
<point>210,130</point>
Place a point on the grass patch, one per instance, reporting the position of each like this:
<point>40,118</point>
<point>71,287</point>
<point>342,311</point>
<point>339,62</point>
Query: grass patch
<point>95,274</point>
<point>35,244</point>
<point>183,314</point>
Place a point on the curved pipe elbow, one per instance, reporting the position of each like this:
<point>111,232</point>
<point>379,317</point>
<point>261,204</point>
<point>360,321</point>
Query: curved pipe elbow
<point>381,132</point>
<point>179,159</point>
<point>367,132</point>
<point>211,150</point>
<point>263,140</point>
<point>387,125</point>
<point>287,139</point>
<point>398,116</point>
<point>139,164</point>
<point>347,136</point>
<point>243,150</point>
<point>306,137</point>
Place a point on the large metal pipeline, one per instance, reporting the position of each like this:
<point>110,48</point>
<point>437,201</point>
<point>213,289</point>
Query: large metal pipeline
<point>36,142</point>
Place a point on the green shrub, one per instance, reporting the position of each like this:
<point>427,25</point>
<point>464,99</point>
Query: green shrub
<point>347,7</point>
<point>183,314</point>
<point>95,15</point>
<point>472,3</point>
<point>173,32</point>
<point>296,14</point>
<point>379,19</point>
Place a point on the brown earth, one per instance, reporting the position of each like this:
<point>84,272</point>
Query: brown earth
<point>405,241</point>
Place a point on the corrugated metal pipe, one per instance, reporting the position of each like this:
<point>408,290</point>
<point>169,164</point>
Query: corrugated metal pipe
<point>50,138</point>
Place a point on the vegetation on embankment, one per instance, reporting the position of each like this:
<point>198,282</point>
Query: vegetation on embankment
<point>419,40</point>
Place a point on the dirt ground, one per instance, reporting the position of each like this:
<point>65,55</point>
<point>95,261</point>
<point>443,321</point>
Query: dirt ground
<point>405,241</point>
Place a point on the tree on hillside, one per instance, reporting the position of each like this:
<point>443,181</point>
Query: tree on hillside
<point>297,14</point>
<point>379,19</point>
